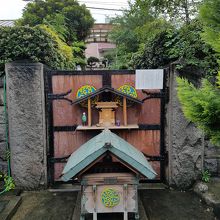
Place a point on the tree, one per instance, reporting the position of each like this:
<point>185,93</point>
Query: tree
<point>154,53</point>
<point>175,10</point>
<point>209,15</point>
<point>196,58</point>
<point>131,31</point>
<point>76,18</point>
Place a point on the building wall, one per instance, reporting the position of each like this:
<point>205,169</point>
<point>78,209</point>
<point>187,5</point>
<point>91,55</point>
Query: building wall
<point>98,42</point>
<point>98,49</point>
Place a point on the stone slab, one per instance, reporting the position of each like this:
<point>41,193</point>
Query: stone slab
<point>185,143</point>
<point>26,113</point>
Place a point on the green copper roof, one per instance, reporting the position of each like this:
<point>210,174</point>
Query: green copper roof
<point>97,146</point>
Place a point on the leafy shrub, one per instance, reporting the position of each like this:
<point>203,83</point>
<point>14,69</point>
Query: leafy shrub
<point>195,58</point>
<point>37,44</point>
<point>201,106</point>
<point>8,182</point>
<point>206,175</point>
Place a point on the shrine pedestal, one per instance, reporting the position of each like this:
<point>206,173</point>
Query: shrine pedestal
<point>109,193</point>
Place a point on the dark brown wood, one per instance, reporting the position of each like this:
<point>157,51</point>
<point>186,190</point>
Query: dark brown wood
<point>66,115</point>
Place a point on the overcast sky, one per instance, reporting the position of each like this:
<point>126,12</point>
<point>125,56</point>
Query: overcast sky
<point>12,9</point>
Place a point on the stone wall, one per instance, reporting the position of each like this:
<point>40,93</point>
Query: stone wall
<point>185,143</point>
<point>212,158</point>
<point>3,153</point>
<point>188,151</point>
<point>26,115</point>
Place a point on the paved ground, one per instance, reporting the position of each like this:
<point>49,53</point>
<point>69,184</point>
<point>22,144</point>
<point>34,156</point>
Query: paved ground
<point>44,205</point>
<point>173,205</point>
<point>159,205</point>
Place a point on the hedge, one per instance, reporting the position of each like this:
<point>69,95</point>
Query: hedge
<point>36,44</point>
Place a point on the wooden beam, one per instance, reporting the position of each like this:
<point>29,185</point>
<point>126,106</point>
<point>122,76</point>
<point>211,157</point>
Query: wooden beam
<point>125,111</point>
<point>89,113</point>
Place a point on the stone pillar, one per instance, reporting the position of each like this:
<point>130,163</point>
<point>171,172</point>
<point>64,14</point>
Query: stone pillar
<point>27,130</point>
<point>185,143</point>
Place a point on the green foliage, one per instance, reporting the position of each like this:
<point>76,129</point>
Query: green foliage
<point>209,15</point>
<point>56,22</point>
<point>176,11</point>
<point>184,45</point>
<point>133,29</point>
<point>78,49</point>
<point>92,61</point>
<point>153,42</point>
<point>62,47</point>
<point>36,44</point>
<point>154,54</point>
<point>76,18</point>
<point>206,175</point>
<point>8,182</point>
<point>201,106</point>
<point>194,55</point>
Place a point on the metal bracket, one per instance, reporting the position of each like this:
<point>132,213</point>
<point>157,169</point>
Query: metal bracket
<point>60,96</point>
<point>156,158</point>
<point>58,159</point>
<point>153,95</point>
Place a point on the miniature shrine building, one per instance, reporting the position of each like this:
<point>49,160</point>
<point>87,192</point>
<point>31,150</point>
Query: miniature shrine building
<point>109,169</point>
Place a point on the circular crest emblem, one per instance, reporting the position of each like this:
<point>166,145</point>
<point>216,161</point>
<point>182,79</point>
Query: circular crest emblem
<point>128,90</point>
<point>110,197</point>
<point>86,90</point>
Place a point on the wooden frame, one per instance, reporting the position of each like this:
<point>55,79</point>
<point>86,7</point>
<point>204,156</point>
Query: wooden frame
<point>106,76</point>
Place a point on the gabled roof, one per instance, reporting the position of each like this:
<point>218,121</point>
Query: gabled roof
<point>7,23</point>
<point>103,90</point>
<point>97,146</point>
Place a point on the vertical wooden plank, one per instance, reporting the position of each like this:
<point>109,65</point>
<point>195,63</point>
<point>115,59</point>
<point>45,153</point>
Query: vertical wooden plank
<point>125,111</point>
<point>125,189</point>
<point>94,200</point>
<point>89,113</point>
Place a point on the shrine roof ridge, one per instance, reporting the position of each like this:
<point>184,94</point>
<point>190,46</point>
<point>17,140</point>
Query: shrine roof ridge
<point>97,146</point>
<point>106,89</point>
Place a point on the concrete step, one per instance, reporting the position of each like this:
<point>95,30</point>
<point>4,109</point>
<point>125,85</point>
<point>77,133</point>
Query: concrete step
<point>8,206</point>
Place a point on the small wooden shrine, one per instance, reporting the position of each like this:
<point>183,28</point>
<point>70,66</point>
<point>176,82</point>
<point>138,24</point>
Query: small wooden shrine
<point>109,169</point>
<point>106,113</point>
<point>106,105</point>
